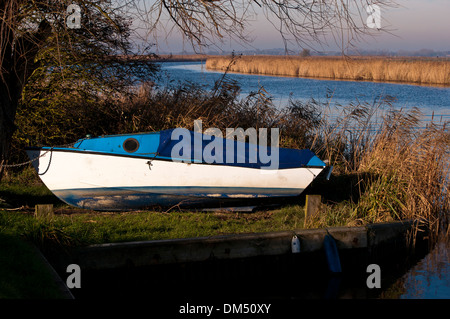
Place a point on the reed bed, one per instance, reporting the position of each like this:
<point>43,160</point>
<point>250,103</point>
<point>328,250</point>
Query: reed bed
<point>400,169</point>
<point>429,71</point>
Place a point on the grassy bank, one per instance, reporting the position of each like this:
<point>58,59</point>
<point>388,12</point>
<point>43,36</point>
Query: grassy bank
<point>435,71</point>
<point>72,227</point>
<point>386,167</point>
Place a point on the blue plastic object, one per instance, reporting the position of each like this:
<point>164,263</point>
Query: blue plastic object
<point>331,251</point>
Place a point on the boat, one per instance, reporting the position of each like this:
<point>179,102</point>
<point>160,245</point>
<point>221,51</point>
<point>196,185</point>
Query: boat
<point>166,168</point>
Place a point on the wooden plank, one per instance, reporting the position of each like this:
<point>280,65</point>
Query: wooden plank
<point>387,232</point>
<point>184,250</point>
<point>169,251</point>
<point>349,237</point>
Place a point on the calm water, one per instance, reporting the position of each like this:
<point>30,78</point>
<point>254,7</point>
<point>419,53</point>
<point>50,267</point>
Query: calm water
<point>428,99</point>
<point>430,277</point>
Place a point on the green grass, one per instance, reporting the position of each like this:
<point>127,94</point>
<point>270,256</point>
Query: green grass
<point>76,227</point>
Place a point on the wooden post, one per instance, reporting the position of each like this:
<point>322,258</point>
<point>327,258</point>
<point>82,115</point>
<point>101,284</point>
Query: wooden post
<point>312,206</point>
<point>43,211</point>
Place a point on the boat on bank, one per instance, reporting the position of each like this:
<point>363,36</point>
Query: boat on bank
<point>141,170</point>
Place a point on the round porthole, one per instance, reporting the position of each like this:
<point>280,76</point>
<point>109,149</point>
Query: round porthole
<point>131,145</point>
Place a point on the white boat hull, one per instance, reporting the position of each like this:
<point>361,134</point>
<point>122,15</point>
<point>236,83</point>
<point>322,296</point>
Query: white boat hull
<point>111,182</point>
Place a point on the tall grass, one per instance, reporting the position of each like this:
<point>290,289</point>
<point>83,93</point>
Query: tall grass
<point>412,169</point>
<point>411,70</point>
<point>401,169</point>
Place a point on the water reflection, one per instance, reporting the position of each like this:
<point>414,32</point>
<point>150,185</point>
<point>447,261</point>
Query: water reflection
<point>428,279</point>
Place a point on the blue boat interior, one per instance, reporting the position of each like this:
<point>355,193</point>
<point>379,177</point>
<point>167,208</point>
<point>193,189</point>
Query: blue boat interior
<point>192,147</point>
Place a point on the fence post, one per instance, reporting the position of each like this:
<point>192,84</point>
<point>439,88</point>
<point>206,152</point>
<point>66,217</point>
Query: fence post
<point>43,211</point>
<point>312,206</point>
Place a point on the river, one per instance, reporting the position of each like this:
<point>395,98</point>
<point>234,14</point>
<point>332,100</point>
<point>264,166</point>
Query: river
<point>429,278</point>
<point>431,100</point>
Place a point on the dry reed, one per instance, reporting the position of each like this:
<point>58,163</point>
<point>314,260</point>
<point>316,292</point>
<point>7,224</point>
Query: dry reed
<point>402,170</point>
<point>435,71</point>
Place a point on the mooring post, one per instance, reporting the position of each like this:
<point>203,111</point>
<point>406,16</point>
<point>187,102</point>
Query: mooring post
<point>43,211</point>
<point>312,206</point>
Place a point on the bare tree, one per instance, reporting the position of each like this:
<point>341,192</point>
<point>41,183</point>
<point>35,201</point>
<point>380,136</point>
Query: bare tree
<point>300,22</point>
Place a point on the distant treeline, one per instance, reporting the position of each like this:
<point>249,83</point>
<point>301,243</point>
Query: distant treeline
<point>181,58</point>
<point>435,71</point>
<point>168,57</point>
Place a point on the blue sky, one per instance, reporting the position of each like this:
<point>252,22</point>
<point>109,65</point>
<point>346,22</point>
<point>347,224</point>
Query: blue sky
<point>415,25</point>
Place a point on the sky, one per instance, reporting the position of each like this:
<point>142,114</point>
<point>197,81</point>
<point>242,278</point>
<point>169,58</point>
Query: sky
<point>419,24</point>
<point>414,25</point>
